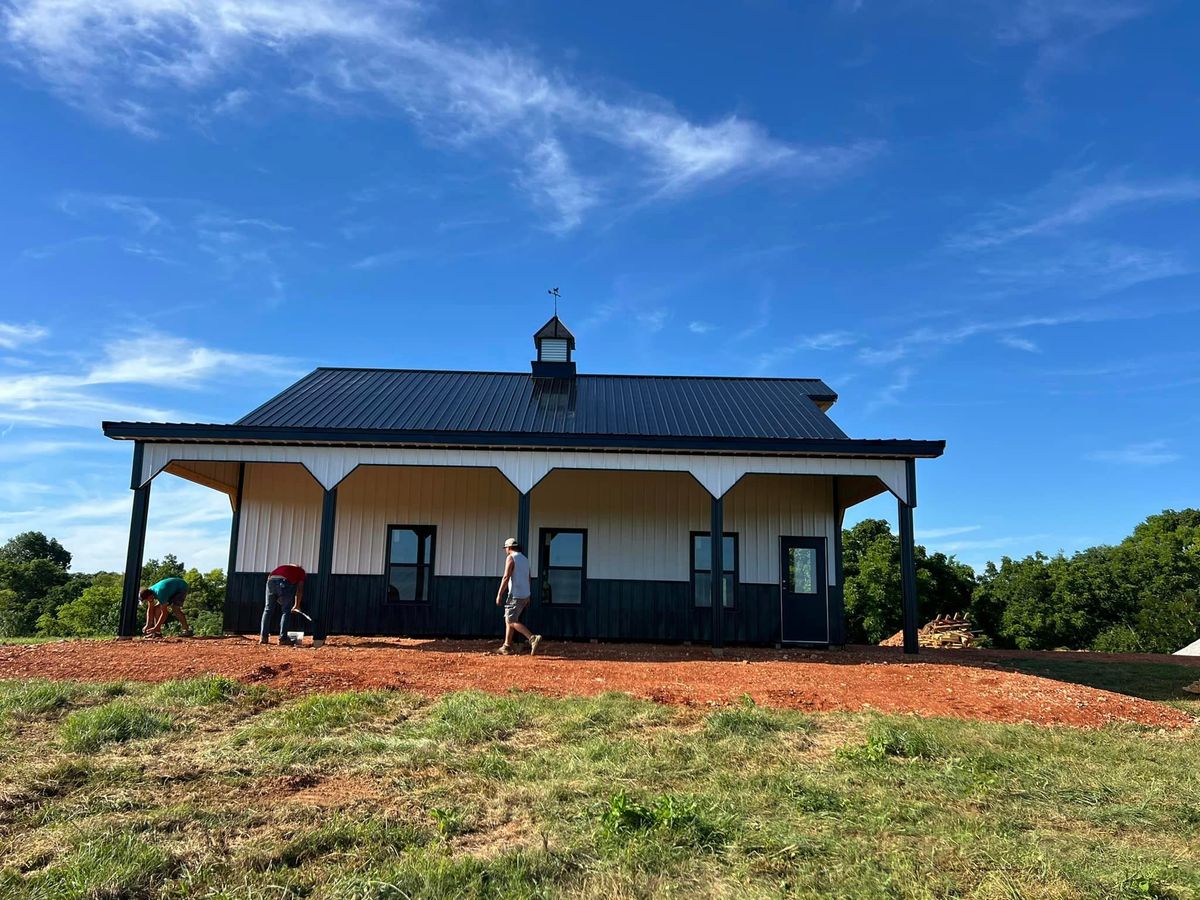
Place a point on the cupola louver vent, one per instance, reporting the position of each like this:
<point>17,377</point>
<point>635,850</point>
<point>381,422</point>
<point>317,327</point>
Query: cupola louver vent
<point>554,345</point>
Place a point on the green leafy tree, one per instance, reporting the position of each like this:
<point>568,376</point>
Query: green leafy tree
<point>871,567</point>
<point>30,545</point>
<point>33,570</point>
<point>12,614</point>
<point>1157,569</point>
<point>205,602</point>
<point>155,570</point>
<point>874,599</point>
<point>94,613</point>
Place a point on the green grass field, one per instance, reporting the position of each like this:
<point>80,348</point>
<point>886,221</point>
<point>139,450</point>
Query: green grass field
<point>207,788</point>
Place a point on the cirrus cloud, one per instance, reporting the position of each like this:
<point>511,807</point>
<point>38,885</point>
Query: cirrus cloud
<point>138,62</point>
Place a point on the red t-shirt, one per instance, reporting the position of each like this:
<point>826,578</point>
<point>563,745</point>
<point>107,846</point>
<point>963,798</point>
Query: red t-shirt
<point>294,574</point>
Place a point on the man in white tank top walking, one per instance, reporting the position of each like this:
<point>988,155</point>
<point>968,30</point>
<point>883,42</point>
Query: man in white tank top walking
<point>514,595</point>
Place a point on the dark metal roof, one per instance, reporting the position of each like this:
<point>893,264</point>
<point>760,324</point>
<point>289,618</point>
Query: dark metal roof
<point>555,329</point>
<point>506,409</point>
<point>487,403</point>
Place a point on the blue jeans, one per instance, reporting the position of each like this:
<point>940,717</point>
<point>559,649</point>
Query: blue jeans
<point>283,592</point>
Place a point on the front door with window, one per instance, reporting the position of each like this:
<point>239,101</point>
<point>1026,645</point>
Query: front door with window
<point>803,593</point>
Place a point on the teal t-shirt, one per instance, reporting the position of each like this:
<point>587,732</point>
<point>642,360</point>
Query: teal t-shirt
<point>168,588</point>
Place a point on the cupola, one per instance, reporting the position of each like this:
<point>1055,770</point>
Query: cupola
<point>554,345</point>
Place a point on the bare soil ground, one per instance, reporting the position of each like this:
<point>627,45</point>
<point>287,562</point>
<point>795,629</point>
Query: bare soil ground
<point>972,684</point>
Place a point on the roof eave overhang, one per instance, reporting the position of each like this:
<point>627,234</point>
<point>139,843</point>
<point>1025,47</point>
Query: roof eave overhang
<point>260,434</point>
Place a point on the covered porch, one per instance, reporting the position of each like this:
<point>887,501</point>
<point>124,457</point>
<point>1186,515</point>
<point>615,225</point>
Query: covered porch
<point>644,518</point>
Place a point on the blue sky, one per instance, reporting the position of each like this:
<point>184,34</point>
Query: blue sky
<point>976,220</point>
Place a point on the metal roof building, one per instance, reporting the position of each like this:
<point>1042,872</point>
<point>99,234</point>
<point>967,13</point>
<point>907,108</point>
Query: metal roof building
<point>650,507</point>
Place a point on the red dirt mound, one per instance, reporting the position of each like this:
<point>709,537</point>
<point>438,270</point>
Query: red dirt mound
<point>966,685</point>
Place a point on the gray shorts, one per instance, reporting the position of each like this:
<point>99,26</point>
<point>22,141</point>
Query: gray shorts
<point>513,609</point>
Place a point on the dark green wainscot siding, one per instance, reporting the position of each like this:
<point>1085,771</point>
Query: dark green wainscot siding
<point>466,607</point>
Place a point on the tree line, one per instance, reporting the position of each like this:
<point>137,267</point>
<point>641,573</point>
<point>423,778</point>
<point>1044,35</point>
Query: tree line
<point>1141,595</point>
<point>41,596</point>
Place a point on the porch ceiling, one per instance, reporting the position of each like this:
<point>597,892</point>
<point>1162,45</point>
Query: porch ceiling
<point>216,474</point>
<point>216,463</point>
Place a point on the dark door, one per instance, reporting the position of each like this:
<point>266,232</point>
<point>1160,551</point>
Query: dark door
<point>803,592</point>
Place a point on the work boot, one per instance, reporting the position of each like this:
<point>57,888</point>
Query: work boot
<point>286,642</point>
<point>504,649</point>
<point>533,643</point>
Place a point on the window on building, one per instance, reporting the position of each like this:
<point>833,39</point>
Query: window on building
<point>702,568</point>
<point>562,565</point>
<point>410,563</point>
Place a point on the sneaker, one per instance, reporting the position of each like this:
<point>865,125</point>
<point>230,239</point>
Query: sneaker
<point>533,643</point>
<point>187,632</point>
<point>504,649</point>
<point>286,642</point>
<point>263,641</point>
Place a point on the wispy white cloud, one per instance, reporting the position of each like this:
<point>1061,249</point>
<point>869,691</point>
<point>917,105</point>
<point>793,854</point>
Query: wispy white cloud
<point>1090,268</point>
<point>75,395</point>
<point>190,521</point>
<point>936,533</point>
<point>999,542</point>
<point>698,327</point>
<point>1066,203</point>
<point>652,320</point>
<point>552,181</point>
<point>759,320</point>
<point>1147,453</point>
<point>891,393</point>
<point>13,335</point>
<point>1042,20</point>
<point>1060,30</point>
<point>139,360</point>
<point>11,451</point>
<point>1007,330</point>
<point>1019,343</point>
<point>132,209</point>
<point>174,230</point>
<point>823,341</point>
<point>129,61</point>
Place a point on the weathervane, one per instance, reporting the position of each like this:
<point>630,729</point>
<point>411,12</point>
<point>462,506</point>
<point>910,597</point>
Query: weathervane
<point>553,292</point>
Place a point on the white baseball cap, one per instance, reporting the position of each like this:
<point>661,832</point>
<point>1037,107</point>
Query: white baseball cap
<point>511,542</point>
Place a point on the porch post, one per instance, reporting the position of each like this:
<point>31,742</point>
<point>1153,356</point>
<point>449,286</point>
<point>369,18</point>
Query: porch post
<point>908,568</point>
<point>837,599</point>
<point>717,545</point>
<point>320,613</point>
<point>137,548</point>
<point>235,528</point>
<point>523,522</point>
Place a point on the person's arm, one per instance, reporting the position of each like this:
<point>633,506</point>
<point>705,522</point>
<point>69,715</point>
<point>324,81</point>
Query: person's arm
<point>508,568</point>
<point>299,595</point>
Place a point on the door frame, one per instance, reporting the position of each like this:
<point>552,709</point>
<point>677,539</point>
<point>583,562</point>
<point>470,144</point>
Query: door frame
<point>821,546</point>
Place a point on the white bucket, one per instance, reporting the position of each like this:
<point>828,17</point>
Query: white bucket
<point>296,636</point>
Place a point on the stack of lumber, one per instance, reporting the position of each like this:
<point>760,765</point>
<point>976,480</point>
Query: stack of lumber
<point>944,631</point>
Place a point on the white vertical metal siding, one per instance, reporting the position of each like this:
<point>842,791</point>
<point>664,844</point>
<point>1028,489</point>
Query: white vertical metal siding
<point>280,518</point>
<point>474,510</point>
<point>637,522</point>
<point>762,508</point>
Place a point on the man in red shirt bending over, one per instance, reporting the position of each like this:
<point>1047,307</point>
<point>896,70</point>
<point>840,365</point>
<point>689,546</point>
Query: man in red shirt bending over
<point>285,586</point>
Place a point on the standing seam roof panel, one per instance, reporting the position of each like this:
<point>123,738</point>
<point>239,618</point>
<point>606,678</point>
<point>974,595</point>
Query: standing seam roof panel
<point>480,402</point>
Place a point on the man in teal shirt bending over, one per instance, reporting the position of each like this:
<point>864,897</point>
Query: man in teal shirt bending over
<point>163,597</point>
